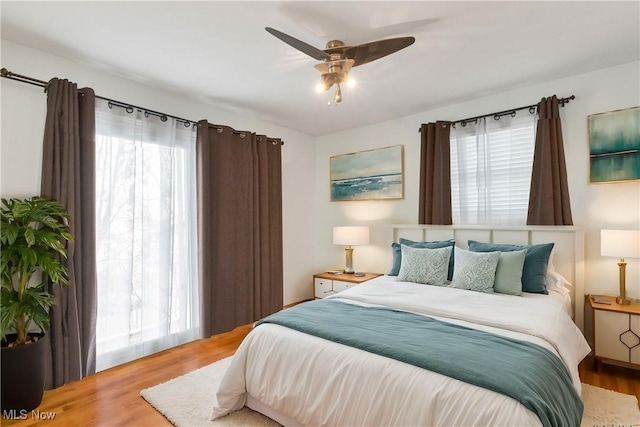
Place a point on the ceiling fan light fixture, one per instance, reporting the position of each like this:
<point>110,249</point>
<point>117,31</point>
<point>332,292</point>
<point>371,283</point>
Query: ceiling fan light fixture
<point>338,58</point>
<point>327,80</point>
<point>351,82</point>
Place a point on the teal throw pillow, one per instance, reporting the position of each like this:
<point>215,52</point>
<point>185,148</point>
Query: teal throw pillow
<point>535,262</point>
<point>509,273</point>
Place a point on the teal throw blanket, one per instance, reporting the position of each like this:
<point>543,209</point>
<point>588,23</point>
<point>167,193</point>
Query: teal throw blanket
<point>528,373</point>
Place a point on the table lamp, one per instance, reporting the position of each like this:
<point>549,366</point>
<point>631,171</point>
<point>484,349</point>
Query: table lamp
<point>620,244</point>
<point>350,236</point>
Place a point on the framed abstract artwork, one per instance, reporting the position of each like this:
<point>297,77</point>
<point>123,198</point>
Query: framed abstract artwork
<point>614,146</point>
<point>368,175</point>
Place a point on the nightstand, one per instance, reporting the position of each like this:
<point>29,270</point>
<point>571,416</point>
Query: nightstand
<point>616,332</point>
<point>325,284</point>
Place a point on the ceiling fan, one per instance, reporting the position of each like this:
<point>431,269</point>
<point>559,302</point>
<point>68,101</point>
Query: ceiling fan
<point>338,58</point>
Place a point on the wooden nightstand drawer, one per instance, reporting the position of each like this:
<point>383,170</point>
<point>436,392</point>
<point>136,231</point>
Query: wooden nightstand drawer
<point>614,333</point>
<point>323,287</point>
<point>325,284</point>
<point>339,285</point>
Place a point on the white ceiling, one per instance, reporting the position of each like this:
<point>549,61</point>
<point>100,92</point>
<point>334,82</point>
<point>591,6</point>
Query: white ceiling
<point>219,52</point>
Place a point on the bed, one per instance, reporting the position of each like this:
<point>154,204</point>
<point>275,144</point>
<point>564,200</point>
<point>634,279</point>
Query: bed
<point>516,355</point>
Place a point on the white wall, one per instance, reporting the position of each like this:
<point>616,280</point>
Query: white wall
<point>309,215</point>
<point>23,114</point>
<point>594,207</point>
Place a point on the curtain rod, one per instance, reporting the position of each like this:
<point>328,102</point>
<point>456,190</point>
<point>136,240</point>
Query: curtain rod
<point>129,107</point>
<point>512,112</point>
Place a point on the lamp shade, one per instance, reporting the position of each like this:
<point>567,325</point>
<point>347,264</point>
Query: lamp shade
<point>620,243</point>
<point>351,235</point>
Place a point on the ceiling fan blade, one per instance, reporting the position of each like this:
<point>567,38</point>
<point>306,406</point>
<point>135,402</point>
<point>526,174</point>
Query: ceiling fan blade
<point>300,45</point>
<point>371,51</point>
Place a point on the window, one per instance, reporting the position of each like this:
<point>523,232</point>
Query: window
<point>146,237</point>
<point>491,162</point>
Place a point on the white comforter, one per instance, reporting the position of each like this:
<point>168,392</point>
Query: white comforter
<point>316,382</point>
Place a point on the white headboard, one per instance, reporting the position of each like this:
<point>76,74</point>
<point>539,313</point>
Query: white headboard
<point>568,251</point>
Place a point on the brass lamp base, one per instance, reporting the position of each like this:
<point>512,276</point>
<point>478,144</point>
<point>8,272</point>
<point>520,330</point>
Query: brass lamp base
<point>349,264</point>
<point>622,299</point>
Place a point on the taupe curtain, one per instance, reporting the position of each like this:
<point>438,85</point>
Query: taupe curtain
<point>549,202</point>
<point>239,179</point>
<point>435,174</point>
<point>68,175</point>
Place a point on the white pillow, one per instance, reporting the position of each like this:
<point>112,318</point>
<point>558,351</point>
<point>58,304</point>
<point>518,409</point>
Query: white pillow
<point>423,265</point>
<point>550,267</point>
<point>557,282</point>
<point>554,280</point>
<point>474,271</point>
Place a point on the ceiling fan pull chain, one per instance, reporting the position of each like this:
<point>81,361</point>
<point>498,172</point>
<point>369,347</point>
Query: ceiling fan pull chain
<point>338,97</point>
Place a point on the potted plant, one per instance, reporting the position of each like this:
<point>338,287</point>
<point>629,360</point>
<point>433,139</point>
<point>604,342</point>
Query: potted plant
<point>33,234</point>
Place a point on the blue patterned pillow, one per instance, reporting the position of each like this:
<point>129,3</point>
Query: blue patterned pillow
<point>535,262</point>
<point>422,265</point>
<point>475,271</point>
<point>436,244</point>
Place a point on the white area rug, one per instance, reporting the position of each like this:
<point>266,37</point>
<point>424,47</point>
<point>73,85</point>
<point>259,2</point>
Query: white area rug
<point>608,408</point>
<point>186,401</point>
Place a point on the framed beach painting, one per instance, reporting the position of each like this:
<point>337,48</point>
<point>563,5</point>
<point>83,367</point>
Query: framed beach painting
<point>614,146</point>
<point>368,175</point>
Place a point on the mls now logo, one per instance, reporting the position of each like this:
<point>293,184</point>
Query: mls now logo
<point>14,414</point>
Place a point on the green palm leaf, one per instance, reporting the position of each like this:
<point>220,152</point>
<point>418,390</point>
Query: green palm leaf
<point>34,233</point>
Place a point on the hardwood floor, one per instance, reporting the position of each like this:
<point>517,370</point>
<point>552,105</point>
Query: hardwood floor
<point>112,397</point>
<point>611,377</point>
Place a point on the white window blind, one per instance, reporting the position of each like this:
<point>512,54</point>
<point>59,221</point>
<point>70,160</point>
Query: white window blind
<point>146,236</point>
<point>491,162</point>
